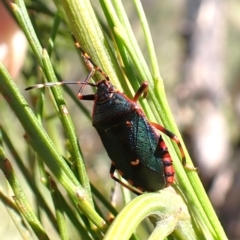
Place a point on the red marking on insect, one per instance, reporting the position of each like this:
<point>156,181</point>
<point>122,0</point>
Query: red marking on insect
<point>135,162</point>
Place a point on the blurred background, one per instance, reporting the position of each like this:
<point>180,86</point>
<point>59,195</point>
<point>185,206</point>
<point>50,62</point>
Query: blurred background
<point>197,45</point>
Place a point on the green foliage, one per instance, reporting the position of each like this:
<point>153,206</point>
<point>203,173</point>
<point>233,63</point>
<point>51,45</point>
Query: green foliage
<point>63,173</point>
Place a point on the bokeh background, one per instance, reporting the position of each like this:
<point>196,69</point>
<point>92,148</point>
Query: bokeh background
<point>198,50</point>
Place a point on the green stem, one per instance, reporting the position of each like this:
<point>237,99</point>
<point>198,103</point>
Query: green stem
<point>167,210</point>
<point>20,198</point>
<point>42,144</point>
<point>44,61</point>
<point>86,29</point>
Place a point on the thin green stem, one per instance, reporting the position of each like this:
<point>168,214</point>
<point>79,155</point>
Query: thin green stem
<point>57,200</point>
<point>67,122</point>
<point>44,61</point>
<point>42,144</point>
<point>20,198</point>
<point>28,177</point>
<point>147,34</point>
<point>169,212</point>
<point>86,29</point>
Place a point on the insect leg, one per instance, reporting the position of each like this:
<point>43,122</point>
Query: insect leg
<point>142,90</point>
<point>177,141</point>
<point>90,97</point>
<point>173,137</point>
<point>134,190</point>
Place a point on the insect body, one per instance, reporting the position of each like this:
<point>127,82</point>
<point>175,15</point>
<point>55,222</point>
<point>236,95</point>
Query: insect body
<point>134,145</point>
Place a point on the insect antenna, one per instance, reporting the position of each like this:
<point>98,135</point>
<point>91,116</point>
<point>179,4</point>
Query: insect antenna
<point>90,65</point>
<point>52,84</point>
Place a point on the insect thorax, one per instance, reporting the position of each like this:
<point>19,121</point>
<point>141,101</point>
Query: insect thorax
<point>113,111</point>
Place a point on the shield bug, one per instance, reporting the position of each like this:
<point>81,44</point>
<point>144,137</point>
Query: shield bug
<point>134,145</point>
